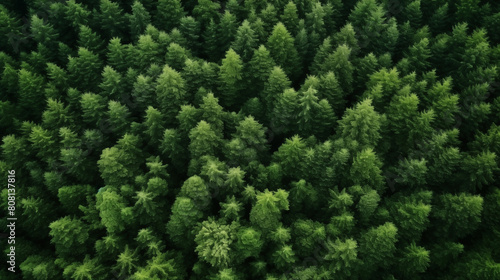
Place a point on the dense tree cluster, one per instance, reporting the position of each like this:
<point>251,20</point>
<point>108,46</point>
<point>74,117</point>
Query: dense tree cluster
<point>298,139</point>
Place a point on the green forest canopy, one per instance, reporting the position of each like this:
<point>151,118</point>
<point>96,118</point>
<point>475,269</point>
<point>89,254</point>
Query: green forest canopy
<point>252,139</point>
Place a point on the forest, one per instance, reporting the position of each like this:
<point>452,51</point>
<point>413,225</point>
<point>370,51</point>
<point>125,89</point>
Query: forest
<point>250,139</point>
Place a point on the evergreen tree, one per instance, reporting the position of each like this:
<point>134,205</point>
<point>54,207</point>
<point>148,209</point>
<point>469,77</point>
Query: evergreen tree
<point>260,67</point>
<point>191,30</point>
<point>227,30</point>
<point>266,212</point>
<point>366,170</point>
<point>84,70</point>
<point>90,40</point>
<point>361,124</point>
<point>245,41</point>
<point>205,11</point>
<point>230,78</point>
<point>204,140</point>
<point>119,55</point>
<point>185,214</point>
<point>276,84</point>
<point>214,242</point>
<point>290,17</point>
<point>338,62</point>
<point>377,246</point>
<point>69,235</point>
<point>30,93</point>
<point>111,19</point>
<point>77,14</point>
<point>138,20</point>
<point>170,91</point>
<point>168,14</point>
<point>282,49</point>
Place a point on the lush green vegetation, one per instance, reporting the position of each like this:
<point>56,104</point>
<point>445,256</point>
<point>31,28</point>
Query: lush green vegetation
<point>304,139</point>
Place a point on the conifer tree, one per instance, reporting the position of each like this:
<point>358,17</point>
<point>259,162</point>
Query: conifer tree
<point>260,66</point>
<point>111,18</point>
<point>290,17</point>
<point>377,246</point>
<point>275,85</point>
<point>361,124</point>
<point>90,40</point>
<point>30,93</point>
<point>230,76</point>
<point>205,11</point>
<point>204,140</point>
<point>119,55</point>
<point>77,13</point>
<point>84,70</point>
<point>170,91</point>
<point>168,14</point>
<point>68,235</point>
<point>245,41</point>
<point>227,30</point>
<point>282,49</point>
<point>138,20</point>
<point>266,212</point>
<point>185,214</point>
<point>339,63</point>
<point>191,30</point>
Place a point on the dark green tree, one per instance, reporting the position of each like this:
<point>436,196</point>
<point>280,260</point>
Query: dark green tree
<point>281,46</point>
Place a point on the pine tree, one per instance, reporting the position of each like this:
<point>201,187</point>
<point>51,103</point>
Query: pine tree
<point>361,124</point>
<point>343,255</point>
<point>214,242</point>
<point>138,20</point>
<point>43,33</point>
<point>230,76</point>
<point>316,24</point>
<point>245,41</point>
<point>366,170</point>
<point>90,40</point>
<point>168,14</point>
<point>291,156</point>
<point>418,56</point>
<point>416,259</point>
<point>329,89</point>
<point>69,235</point>
<point>112,84</point>
<point>77,14</point>
<point>56,115</point>
<point>111,18</point>
<point>227,30</point>
<point>347,36</point>
<point>191,30</point>
<point>205,11</point>
<point>119,55</point>
<point>457,215</point>
<point>377,246</point>
<point>266,212</point>
<point>290,18</point>
<point>275,85</point>
<point>118,116</point>
<point>282,49</point>
<point>204,140</point>
<point>84,70</point>
<point>30,94</point>
<point>382,86</point>
<point>185,214</point>
<point>269,17</point>
<point>170,91</point>
<point>176,56</point>
<point>260,67</point>
<point>212,113</point>
<point>339,63</point>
